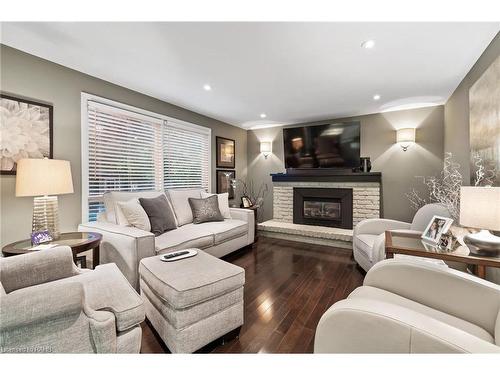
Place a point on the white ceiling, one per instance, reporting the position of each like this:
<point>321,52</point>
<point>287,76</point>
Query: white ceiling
<point>293,72</point>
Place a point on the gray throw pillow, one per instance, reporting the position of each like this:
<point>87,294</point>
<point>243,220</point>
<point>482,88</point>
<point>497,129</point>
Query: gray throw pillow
<point>205,209</point>
<point>160,214</point>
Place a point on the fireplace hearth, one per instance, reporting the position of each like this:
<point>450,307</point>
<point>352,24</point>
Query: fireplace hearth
<point>331,207</point>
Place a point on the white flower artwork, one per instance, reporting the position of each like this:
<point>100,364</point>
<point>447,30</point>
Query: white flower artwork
<point>25,131</point>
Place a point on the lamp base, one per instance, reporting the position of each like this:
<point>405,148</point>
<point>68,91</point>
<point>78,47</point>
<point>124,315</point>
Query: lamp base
<point>483,243</point>
<point>46,215</point>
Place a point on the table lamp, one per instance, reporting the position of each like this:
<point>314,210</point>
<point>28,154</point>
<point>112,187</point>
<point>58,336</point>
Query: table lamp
<point>480,208</point>
<point>42,179</point>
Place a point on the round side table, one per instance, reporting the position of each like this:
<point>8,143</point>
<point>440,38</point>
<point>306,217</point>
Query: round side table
<point>78,241</point>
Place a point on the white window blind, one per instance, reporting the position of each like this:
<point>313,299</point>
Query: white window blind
<point>185,157</point>
<point>126,150</point>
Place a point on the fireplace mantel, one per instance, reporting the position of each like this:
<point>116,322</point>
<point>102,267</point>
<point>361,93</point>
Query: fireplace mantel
<point>322,175</point>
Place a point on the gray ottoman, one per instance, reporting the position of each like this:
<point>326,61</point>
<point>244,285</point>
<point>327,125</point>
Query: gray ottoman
<point>193,301</point>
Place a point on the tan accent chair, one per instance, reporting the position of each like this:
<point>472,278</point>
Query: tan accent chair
<point>47,304</point>
<point>413,307</point>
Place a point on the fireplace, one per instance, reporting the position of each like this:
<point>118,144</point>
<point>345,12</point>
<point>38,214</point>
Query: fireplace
<point>331,207</point>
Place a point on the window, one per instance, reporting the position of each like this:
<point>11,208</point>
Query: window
<point>128,149</point>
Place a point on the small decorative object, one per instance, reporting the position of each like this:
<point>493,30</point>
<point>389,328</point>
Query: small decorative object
<point>224,184</point>
<point>484,124</point>
<point>480,208</point>
<point>40,237</point>
<point>266,148</point>
<point>246,202</point>
<point>435,229</point>
<point>225,152</point>
<point>366,165</point>
<point>26,128</point>
<point>445,189</point>
<point>257,196</point>
<point>40,178</point>
<point>405,137</point>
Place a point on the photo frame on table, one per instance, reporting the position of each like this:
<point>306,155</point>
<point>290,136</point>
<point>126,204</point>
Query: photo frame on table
<point>438,226</point>
<point>246,202</point>
<point>225,152</point>
<point>27,131</point>
<point>224,185</point>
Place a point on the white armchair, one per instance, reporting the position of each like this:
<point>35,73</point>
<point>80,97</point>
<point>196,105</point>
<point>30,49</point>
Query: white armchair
<point>413,307</point>
<point>368,243</point>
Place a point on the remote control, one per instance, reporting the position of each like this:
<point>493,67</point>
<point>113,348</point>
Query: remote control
<point>175,255</point>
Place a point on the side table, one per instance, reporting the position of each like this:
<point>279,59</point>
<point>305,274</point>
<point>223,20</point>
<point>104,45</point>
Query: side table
<point>78,241</point>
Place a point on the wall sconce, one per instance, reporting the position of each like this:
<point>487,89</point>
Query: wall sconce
<point>405,137</point>
<point>266,148</point>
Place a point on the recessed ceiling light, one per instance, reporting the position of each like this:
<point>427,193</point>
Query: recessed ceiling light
<point>368,44</point>
<point>263,115</point>
<point>207,87</point>
<point>376,97</point>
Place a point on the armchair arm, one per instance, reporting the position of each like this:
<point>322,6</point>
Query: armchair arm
<point>40,303</point>
<point>249,217</point>
<point>379,226</point>
<point>453,292</point>
<point>50,302</point>
<point>124,246</point>
<point>35,268</point>
<point>370,326</point>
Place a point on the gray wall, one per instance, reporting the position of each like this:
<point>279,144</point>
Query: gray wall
<point>378,139</point>
<point>456,110</point>
<point>31,77</point>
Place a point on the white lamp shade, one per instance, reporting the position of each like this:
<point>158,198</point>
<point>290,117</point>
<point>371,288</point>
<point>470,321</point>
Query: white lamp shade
<point>405,135</point>
<point>480,207</point>
<point>266,147</point>
<point>36,177</point>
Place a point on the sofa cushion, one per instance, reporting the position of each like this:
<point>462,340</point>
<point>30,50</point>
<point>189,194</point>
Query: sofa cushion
<point>111,197</point>
<point>364,243</point>
<point>205,209</point>
<point>192,280</point>
<point>131,213</point>
<point>187,236</point>
<point>223,199</point>
<point>160,214</point>
<point>179,200</point>
<point>368,292</point>
<point>226,230</point>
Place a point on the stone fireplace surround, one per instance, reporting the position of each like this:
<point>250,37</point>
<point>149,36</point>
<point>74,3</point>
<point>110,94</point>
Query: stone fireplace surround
<point>366,201</point>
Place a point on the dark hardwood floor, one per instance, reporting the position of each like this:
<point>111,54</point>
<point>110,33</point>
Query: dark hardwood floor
<point>289,285</point>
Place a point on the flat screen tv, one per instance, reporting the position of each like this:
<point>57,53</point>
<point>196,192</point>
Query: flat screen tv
<point>334,145</point>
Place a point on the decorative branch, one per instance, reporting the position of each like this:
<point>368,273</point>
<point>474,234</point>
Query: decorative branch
<point>445,189</point>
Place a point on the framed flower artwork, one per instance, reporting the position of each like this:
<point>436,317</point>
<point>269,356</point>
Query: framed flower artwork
<point>27,131</point>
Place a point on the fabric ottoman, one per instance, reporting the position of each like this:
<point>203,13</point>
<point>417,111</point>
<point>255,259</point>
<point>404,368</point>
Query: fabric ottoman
<point>193,301</point>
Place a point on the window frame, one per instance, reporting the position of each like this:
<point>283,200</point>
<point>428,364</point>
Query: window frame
<point>85,98</point>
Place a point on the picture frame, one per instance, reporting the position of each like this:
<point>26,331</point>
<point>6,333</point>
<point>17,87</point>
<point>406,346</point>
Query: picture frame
<point>41,237</point>
<point>224,185</point>
<point>436,228</point>
<point>225,152</point>
<point>33,124</point>
<point>246,202</point>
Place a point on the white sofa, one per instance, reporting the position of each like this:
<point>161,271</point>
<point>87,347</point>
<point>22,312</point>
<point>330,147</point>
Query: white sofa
<point>126,246</point>
<point>368,244</point>
<point>413,307</point>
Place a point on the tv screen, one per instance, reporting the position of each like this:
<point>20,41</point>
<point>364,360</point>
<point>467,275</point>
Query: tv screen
<point>323,146</point>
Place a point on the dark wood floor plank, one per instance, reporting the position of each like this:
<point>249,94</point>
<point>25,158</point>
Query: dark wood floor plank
<point>289,285</point>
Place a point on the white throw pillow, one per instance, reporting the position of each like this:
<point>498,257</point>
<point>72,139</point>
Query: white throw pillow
<point>180,204</point>
<point>131,213</point>
<point>223,200</point>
